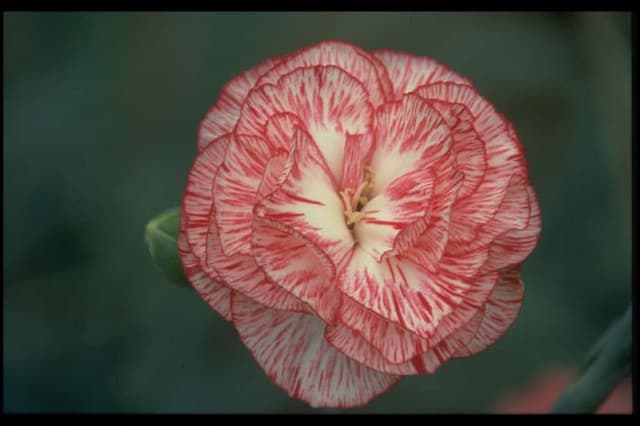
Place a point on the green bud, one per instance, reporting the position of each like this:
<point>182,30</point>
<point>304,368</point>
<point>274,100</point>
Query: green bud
<point>160,236</point>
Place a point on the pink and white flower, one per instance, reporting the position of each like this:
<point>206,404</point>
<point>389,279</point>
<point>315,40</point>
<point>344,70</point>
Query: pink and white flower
<point>358,217</point>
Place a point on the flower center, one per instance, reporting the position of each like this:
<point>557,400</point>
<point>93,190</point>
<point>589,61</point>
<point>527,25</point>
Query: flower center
<point>355,199</point>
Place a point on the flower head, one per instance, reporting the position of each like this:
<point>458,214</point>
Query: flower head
<point>358,217</point>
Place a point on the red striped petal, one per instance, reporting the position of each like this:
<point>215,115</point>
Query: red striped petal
<point>393,213</point>
<point>394,343</point>
<point>498,313</point>
<point>408,72</point>
<point>236,186</point>
<point>424,242</point>
<point>307,201</point>
<point>224,114</point>
<point>514,246</point>
<point>329,103</point>
<point>241,273</point>
<point>504,156</point>
<point>198,198</point>
<point>411,296</point>
<point>408,134</point>
<point>467,145</point>
<point>291,349</point>
<point>353,60</point>
<point>356,347</point>
<point>513,214</point>
<point>471,303</point>
<point>357,151</point>
<point>295,264</point>
<point>216,294</point>
<point>353,344</point>
<point>274,172</point>
<point>280,129</point>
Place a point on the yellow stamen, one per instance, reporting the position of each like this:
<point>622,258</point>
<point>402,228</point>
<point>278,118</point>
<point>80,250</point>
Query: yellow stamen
<point>354,217</point>
<point>354,200</point>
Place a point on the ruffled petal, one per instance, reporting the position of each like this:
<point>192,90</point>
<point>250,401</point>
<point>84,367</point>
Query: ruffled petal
<point>408,72</point>
<point>474,298</point>
<point>514,246</point>
<point>408,134</point>
<point>466,143</point>
<point>241,273</point>
<point>424,241</point>
<point>224,114</point>
<point>394,343</point>
<point>353,344</point>
<point>291,349</point>
<point>307,201</point>
<point>503,153</point>
<point>236,188</point>
<point>295,264</point>
<point>498,314</point>
<point>216,294</point>
<point>274,172</point>
<point>280,129</point>
<point>351,59</point>
<point>329,103</point>
<point>513,214</point>
<point>409,295</point>
<point>357,151</point>
<point>198,198</point>
<point>403,203</point>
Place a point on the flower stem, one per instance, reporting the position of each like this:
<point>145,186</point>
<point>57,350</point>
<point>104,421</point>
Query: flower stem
<point>608,362</point>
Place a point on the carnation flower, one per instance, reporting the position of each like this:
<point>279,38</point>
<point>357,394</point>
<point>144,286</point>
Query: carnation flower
<point>359,217</point>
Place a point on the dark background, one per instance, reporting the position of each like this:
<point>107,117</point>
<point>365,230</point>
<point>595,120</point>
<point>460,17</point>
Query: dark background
<point>100,118</point>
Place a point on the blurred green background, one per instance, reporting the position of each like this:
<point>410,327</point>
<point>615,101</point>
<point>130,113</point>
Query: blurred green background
<point>100,118</point>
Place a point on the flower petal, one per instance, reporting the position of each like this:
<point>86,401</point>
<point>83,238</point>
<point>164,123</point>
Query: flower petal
<point>408,133</point>
<point>352,343</point>
<point>513,214</point>
<point>274,172</point>
<point>423,240</point>
<point>394,343</point>
<point>407,72</point>
<point>236,186</point>
<point>291,349</point>
<point>467,145</point>
<point>357,150</point>
<point>467,264</point>
<point>356,347</point>
<point>409,295</point>
<point>504,155</point>
<point>329,103</point>
<point>280,129</point>
<point>514,246</point>
<point>223,116</point>
<point>217,295</point>
<point>351,59</point>
<point>295,264</point>
<point>241,273</point>
<point>405,201</point>
<point>198,198</point>
<point>498,313</point>
<point>426,246</point>
<point>474,298</point>
<point>307,201</point>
